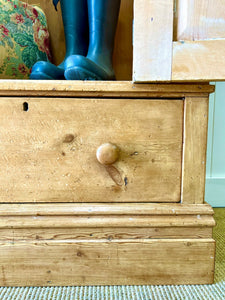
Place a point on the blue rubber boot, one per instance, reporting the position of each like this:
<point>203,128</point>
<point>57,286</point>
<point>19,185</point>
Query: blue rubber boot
<point>97,65</point>
<point>75,21</point>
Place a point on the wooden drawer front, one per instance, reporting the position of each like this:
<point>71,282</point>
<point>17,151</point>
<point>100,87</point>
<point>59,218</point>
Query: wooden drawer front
<point>48,153</point>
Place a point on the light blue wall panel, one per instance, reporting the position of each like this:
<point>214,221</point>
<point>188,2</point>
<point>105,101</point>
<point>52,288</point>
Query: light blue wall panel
<point>215,170</point>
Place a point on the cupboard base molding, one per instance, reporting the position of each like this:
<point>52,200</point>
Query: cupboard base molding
<point>102,262</point>
<point>147,243</point>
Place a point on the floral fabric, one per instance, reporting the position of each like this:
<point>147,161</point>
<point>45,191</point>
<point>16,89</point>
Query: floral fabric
<point>24,38</point>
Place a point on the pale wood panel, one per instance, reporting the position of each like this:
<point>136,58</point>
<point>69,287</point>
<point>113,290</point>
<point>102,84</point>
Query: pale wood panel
<point>199,60</point>
<point>117,89</point>
<point>200,19</point>
<point>109,233</point>
<point>48,152</point>
<point>69,209</point>
<point>105,221</point>
<point>194,153</point>
<point>98,262</point>
<point>152,40</point>
<point>122,58</point>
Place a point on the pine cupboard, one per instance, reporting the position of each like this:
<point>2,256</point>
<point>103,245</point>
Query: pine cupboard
<point>102,183</point>
<point>68,218</point>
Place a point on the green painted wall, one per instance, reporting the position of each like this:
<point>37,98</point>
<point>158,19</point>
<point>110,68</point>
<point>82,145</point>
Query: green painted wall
<point>215,167</point>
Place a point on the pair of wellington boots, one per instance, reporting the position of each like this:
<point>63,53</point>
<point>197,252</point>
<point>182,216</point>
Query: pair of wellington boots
<point>89,27</point>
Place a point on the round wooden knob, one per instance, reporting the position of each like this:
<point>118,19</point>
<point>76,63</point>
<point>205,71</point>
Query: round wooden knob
<point>107,154</point>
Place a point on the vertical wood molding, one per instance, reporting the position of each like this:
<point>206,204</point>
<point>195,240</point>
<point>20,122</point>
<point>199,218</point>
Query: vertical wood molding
<point>152,39</point>
<point>194,150</point>
<point>210,135</point>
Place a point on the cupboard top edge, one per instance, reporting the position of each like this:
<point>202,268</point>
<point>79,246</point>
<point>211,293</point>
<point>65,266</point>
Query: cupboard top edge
<point>115,89</point>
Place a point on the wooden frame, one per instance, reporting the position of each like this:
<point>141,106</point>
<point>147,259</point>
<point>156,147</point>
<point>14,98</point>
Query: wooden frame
<point>157,58</point>
<point>152,33</point>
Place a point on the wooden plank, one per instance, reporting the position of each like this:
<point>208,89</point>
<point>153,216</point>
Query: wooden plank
<point>210,137</point>
<point>199,60</point>
<point>194,152</point>
<point>49,151</point>
<point>152,40</point>
<point>101,262</point>
<point>200,19</point>
<point>87,89</point>
<point>105,221</point>
<point>90,209</point>
<point>110,233</point>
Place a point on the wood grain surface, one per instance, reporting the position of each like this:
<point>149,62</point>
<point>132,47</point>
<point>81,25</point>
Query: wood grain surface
<point>153,37</point>
<point>199,60</point>
<point>200,20</point>
<point>117,262</point>
<point>49,151</point>
<point>107,233</point>
<point>113,89</point>
<point>105,209</point>
<point>106,221</point>
<point>194,154</point>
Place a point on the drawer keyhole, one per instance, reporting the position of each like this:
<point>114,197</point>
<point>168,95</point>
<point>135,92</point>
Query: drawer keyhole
<point>25,106</point>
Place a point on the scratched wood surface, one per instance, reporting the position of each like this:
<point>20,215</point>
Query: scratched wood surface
<point>105,209</point>
<point>97,89</point>
<point>110,233</point>
<point>49,151</point>
<point>194,154</point>
<point>117,262</point>
<point>105,221</point>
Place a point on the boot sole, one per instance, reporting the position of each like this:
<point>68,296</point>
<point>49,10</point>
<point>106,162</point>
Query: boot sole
<point>40,76</point>
<point>78,73</point>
